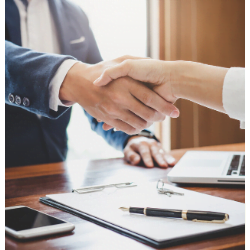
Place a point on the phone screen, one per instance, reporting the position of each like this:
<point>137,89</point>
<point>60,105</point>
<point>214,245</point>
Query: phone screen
<point>25,218</point>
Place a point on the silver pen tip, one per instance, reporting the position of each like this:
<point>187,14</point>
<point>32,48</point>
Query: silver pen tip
<point>124,208</point>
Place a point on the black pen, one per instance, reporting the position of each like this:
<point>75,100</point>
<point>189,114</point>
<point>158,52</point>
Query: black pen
<point>193,215</point>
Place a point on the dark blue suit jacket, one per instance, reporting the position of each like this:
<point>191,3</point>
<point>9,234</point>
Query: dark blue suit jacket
<point>30,140</point>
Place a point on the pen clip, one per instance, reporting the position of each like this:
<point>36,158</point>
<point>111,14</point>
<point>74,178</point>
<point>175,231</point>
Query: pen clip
<point>210,221</point>
<point>213,221</point>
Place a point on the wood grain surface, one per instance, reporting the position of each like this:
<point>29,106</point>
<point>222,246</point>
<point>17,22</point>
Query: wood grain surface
<point>25,185</point>
<point>210,32</point>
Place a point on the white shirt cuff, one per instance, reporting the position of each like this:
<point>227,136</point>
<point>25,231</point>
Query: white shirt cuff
<point>56,83</point>
<point>233,95</point>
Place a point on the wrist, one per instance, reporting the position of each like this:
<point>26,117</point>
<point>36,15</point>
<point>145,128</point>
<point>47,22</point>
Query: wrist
<point>200,83</point>
<point>66,92</point>
<point>181,78</point>
<point>144,134</point>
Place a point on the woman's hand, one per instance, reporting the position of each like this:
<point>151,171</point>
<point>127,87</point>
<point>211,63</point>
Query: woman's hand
<point>148,150</point>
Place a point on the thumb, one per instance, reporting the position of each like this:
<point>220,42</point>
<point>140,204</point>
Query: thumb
<point>113,72</point>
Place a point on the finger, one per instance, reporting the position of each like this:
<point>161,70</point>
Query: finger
<point>169,159</point>
<point>99,120</point>
<point>131,156</point>
<point>158,157</point>
<point>105,126</point>
<point>153,100</point>
<point>145,155</point>
<point>145,112</point>
<point>140,69</point>
<point>113,72</point>
<point>122,126</point>
<point>133,120</point>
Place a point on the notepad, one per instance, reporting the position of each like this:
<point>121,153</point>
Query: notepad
<point>104,207</point>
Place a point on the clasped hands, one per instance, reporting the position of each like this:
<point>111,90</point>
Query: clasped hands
<point>127,103</point>
<point>124,97</point>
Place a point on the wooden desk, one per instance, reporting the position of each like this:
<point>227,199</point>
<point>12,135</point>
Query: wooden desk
<point>24,186</point>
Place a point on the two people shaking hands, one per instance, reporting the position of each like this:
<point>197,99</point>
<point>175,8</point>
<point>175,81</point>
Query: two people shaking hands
<point>131,93</point>
<point>53,62</point>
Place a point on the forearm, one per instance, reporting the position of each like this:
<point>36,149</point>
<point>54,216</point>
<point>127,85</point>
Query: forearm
<point>199,83</point>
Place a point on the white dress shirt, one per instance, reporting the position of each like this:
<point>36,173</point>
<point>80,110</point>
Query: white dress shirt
<point>233,96</point>
<point>38,32</point>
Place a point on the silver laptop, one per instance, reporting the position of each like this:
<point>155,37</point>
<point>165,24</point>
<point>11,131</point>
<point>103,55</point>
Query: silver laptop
<point>210,167</point>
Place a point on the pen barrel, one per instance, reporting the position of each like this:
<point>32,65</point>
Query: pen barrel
<point>205,215</point>
<point>136,210</point>
<point>163,212</point>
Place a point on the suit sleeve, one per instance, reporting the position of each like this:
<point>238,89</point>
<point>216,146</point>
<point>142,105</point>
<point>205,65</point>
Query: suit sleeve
<point>28,74</point>
<point>116,139</point>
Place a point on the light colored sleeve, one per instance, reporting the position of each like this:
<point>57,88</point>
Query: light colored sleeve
<point>233,95</point>
<point>56,83</point>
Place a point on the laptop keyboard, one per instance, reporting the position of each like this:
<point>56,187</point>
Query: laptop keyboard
<point>234,166</point>
<point>242,169</point>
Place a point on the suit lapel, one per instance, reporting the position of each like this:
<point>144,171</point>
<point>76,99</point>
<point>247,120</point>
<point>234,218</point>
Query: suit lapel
<point>12,23</point>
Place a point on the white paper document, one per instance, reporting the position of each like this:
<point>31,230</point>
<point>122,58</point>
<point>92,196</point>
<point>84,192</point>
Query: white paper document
<point>105,206</point>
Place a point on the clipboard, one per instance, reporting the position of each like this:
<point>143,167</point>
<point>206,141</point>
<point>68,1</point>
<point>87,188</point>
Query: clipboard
<point>140,237</point>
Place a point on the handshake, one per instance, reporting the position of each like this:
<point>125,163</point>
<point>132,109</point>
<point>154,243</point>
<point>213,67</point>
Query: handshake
<point>130,93</point>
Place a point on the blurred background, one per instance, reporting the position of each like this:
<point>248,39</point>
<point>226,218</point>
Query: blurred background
<point>120,28</point>
<point>207,31</point>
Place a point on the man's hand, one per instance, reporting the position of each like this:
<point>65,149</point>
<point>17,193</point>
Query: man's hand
<point>125,104</point>
<point>139,147</point>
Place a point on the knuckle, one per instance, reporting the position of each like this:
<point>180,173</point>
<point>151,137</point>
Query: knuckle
<point>144,148</point>
<point>116,97</point>
<point>131,157</point>
<point>150,116</point>
<point>154,115</point>
<point>153,144</point>
<point>167,107</point>
<point>158,155</point>
<point>146,99</point>
<point>109,109</point>
<point>122,58</point>
<point>159,116</point>
<point>133,131</point>
<point>106,72</point>
<point>145,155</point>
<point>126,150</point>
<point>143,124</point>
<point>127,62</point>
